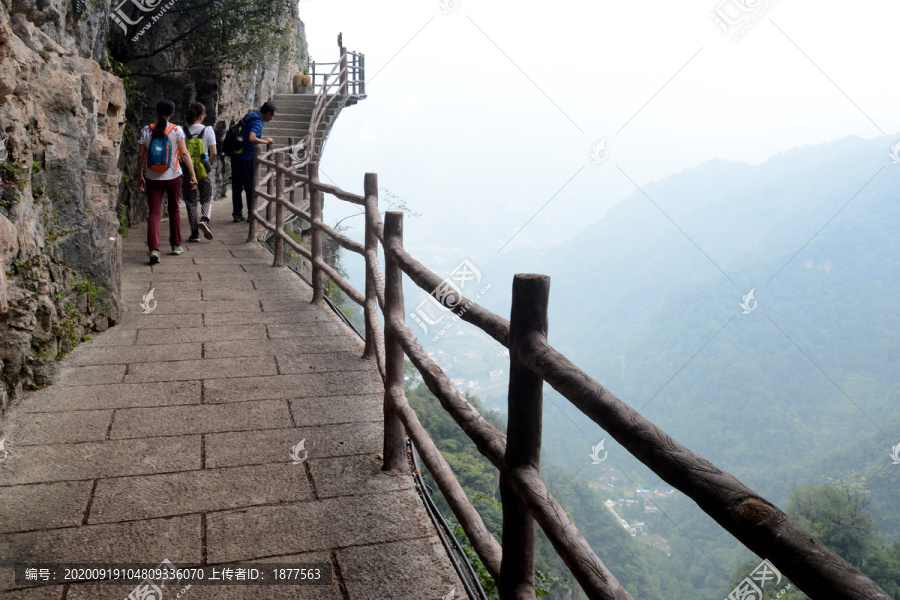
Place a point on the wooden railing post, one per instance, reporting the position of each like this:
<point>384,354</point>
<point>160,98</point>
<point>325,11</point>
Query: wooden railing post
<point>370,185</point>
<point>315,242</point>
<point>270,187</point>
<point>394,431</point>
<point>251,199</point>
<point>528,318</point>
<point>290,181</point>
<point>345,74</point>
<point>279,211</point>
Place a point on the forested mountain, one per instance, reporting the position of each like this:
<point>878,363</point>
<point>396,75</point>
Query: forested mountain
<point>803,387</point>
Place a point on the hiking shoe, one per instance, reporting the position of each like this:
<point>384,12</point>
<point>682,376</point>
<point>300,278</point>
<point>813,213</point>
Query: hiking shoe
<point>207,233</point>
<point>154,257</point>
<point>195,237</point>
<point>176,250</point>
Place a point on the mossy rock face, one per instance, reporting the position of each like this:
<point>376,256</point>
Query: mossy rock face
<point>62,131</point>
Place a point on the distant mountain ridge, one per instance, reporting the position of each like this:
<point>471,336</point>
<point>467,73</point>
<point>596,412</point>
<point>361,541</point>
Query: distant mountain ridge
<point>647,282</point>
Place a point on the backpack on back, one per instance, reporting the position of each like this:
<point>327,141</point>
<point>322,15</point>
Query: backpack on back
<point>233,144</point>
<point>196,150</point>
<point>162,153</point>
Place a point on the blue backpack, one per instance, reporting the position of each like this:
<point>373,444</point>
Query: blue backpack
<point>162,153</point>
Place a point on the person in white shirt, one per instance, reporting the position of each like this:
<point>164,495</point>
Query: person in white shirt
<point>159,170</point>
<point>206,138</point>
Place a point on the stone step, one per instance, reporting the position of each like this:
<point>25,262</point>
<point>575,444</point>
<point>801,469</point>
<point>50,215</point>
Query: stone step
<point>278,130</point>
<point>284,104</point>
<point>295,96</point>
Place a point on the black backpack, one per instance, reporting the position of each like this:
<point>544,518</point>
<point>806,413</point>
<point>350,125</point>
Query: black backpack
<point>233,144</point>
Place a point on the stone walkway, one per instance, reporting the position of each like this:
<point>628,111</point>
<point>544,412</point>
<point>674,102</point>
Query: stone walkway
<point>170,435</point>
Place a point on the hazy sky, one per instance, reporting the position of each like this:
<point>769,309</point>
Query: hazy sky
<point>481,115</point>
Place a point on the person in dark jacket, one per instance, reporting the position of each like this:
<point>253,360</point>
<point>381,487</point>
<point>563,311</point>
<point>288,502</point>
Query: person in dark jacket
<point>242,164</point>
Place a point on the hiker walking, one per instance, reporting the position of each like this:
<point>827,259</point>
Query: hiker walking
<point>161,143</point>
<point>251,127</point>
<point>201,146</point>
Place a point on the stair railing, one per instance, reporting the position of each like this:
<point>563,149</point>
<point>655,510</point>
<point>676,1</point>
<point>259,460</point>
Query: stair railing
<point>755,522</point>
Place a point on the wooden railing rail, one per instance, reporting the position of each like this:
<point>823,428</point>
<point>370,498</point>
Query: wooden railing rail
<point>755,522</point>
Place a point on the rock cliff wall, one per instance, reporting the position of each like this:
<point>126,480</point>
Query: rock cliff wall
<point>61,123</point>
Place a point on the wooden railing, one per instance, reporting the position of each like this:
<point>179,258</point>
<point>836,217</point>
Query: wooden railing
<point>344,81</point>
<point>758,524</point>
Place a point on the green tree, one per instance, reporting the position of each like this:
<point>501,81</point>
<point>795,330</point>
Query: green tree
<point>838,517</point>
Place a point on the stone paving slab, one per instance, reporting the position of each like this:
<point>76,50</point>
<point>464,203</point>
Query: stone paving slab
<point>160,321</point>
<point>243,284</point>
<point>275,445</point>
<point>265,284</point>
<point>177,538</point>
<point>201,334</point>
<point>227,277</point>
<point>229,294</point>
<point>165,277</point>
<point>92,397</point>
<point>99,355</point>
<point>170,437</point>
<point>205,418</point>
<point>270,318</point>
<point>88,374</point>
<point>185,370</point>
<point>399,563</point>
<point>309,526</point>
<point>44,506</point>
<point>337,409</point>
<point>317,329</point>
<point>168,293</point>
<point>181,308</point>
<point>150,496</point>
<point>291,352</point>
<point>32,429</point>
<point>324,362</point>
<point>288,386</point>
<point>277,305</point>
<point>92,460</point>
<point>354,476</point>
<point>230,260</point>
